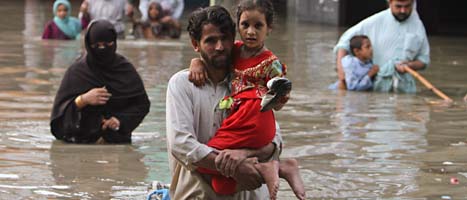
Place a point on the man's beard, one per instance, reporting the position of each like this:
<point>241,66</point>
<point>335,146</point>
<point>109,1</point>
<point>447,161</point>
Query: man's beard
<point>216,63</point>
<point>401,17</point>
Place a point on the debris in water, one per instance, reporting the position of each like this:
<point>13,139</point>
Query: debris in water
<point>454,181</point>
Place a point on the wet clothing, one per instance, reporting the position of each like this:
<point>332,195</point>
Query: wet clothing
<point>389,79</point>
<point>193,116</point>
<point>391,40</point>
<point>356,74</point>
<point>68,28</point>
<point>100,67</point>
<point>246,126</point>
<point>112,10</point>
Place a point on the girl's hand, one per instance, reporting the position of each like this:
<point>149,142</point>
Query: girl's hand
<point>198,73</point>
<point>373,71</point>
<point>166,20</point>
<point>111,123</point>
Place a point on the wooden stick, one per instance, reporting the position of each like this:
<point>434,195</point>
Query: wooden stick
<point>427,84</point>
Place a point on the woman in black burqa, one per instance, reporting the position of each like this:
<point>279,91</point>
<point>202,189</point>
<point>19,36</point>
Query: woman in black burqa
<point>101,97</point>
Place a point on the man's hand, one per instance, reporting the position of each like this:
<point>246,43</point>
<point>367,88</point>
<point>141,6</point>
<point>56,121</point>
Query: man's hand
<point>247,177</point>
<point>373,71</point>
<point>401,67</point>
<point>340,69</point>
<point>112,123</point>
<point>228,160</point>
<point>96,96</point>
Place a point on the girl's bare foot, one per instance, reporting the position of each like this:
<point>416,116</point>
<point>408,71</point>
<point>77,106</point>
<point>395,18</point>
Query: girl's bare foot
<point>269,171</point>
<point>288,170</point>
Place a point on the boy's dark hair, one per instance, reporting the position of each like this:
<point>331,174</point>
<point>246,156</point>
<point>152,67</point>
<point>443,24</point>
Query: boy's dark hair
<point>356,42</point>
<point>216,15</point>
<point>264,6</point>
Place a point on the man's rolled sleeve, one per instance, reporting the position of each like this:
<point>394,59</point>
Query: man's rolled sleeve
<point>186,149</point>
<point>181,138</point>
<point>424,55</point>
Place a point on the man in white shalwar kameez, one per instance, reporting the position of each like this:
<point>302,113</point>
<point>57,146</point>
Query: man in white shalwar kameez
<point>193,117</point>
<point>399,39</point>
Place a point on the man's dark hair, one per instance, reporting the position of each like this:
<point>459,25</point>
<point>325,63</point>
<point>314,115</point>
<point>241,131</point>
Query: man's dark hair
<point>216,15</point>
<point>264,6</point>
<point>356,42</point>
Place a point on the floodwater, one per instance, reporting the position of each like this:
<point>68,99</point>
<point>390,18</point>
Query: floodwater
<point>353,145</point>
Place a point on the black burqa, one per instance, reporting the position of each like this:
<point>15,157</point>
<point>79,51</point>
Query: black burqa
<point>99,67</point>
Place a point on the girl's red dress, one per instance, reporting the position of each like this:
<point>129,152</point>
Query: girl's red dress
<point>246,126</point>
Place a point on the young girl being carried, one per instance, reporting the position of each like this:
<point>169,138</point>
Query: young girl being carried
<point>251,123</point>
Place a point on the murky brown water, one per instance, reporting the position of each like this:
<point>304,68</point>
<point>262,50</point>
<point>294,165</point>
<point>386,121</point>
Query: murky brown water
<point>350,144</point>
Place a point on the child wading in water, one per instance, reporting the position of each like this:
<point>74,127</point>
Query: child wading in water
<point>251,122</point>
<point>359,69</point>
<point>63,26</point>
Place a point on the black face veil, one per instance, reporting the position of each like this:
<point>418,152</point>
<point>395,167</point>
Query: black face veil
<point>101,44</point>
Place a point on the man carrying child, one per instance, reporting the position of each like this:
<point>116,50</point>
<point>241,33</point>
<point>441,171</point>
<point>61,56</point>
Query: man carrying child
<point>399,40</point>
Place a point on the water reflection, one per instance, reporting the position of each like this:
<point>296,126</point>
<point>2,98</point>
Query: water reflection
<point>382,135</point>
<point>98,171</point>
<point>361,146</point>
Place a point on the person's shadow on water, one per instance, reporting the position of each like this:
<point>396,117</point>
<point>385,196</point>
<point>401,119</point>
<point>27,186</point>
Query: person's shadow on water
<point>98,171</point>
